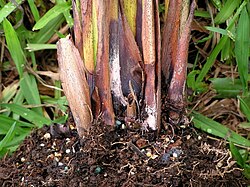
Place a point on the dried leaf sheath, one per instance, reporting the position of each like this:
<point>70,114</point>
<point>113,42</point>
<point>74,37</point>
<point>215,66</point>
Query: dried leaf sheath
<point>130,58</point>
<point>77,27</point>
<point>170,38</point>
<point>115,75</point>
<point>88,35</point>
<point>149,58</point>
<point>177,85</point>
<point>158,65</point>
<point>74,84</point>
<point>102,76</point>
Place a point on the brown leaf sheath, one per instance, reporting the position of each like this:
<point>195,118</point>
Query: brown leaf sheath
<point>158,65</point>
<point>130,58</point>
<point>149,58</point>
<point>115,75</point>
<point>87,35</point>
<point>102,62</point>
<point>74,84</point>
<point>170,38</point>
<point>177,85</point>
<point>139,25</point>
<point>77,28</point>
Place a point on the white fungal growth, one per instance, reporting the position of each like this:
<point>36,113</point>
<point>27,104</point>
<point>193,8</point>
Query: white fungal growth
<point>151,120</point>
<point>116,85</point>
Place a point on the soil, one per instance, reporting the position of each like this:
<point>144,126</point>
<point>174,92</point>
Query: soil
<point>120,156</point>
<point>125,155</point>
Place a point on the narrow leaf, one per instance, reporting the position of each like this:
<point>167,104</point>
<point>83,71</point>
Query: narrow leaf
<point>236,155</point>
<point>242,47</point>
<point>244,108</point>
<point>28,114</point>
<point>14,46</point>
<point>34,10</point>
<point>51,14</point>
<point>226,11</point>
<point>212,127</point>
<point>8,8</point>
<point>8,137</point>
<point>6,123</point>
<point>30,91</point>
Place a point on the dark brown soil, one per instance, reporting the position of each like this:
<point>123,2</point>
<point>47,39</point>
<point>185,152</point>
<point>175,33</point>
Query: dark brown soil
<point>120,157</point>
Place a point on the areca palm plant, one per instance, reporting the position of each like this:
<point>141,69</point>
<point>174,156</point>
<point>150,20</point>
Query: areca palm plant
<point>111,66</point>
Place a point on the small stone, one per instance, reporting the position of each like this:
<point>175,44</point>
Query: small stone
<point>60,164</point>
<point>149,154</point>
<point>98,170</point>
<point>167,139</point>
<point>47,136</point>
<point>57,154</point>
<point>118,123</point>
<point>175,155</point>
<point>154,156</point>
<point>72,127</point>
<point>123,126</point>
<point>23,159</point>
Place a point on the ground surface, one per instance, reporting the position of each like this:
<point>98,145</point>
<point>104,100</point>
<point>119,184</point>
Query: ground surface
<point>54,156</point>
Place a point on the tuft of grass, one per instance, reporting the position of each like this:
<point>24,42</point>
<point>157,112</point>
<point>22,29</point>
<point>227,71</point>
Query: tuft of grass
<point>229,33</point>
<point>22,105</point>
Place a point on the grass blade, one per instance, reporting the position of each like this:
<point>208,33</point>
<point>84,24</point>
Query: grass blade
<point>212,127</point>
<point>226,87</point>
<point>211,59</point>
<point>236,154</point>
<point>48,30</point>
<point>34,10</point>
<point>29,90</point>
<point>8,136</point>
<point>28,114</point>
<point>51,14</point>
<point>242,47</point>
<point>9,92</point>
<point>226,11</point>
<point>244,108</point>
<point>14,46</point>
<point>38,47</point>
<point>6,123</point>
<point>8,8</point>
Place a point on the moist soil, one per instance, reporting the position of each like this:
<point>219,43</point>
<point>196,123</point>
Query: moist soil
<point>120,156</point>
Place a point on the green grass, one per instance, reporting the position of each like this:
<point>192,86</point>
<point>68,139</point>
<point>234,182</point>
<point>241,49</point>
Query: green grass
<point>231,23</point>
<point>22,105</point>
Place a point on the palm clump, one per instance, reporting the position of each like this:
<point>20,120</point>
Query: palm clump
<point>113,67</point>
